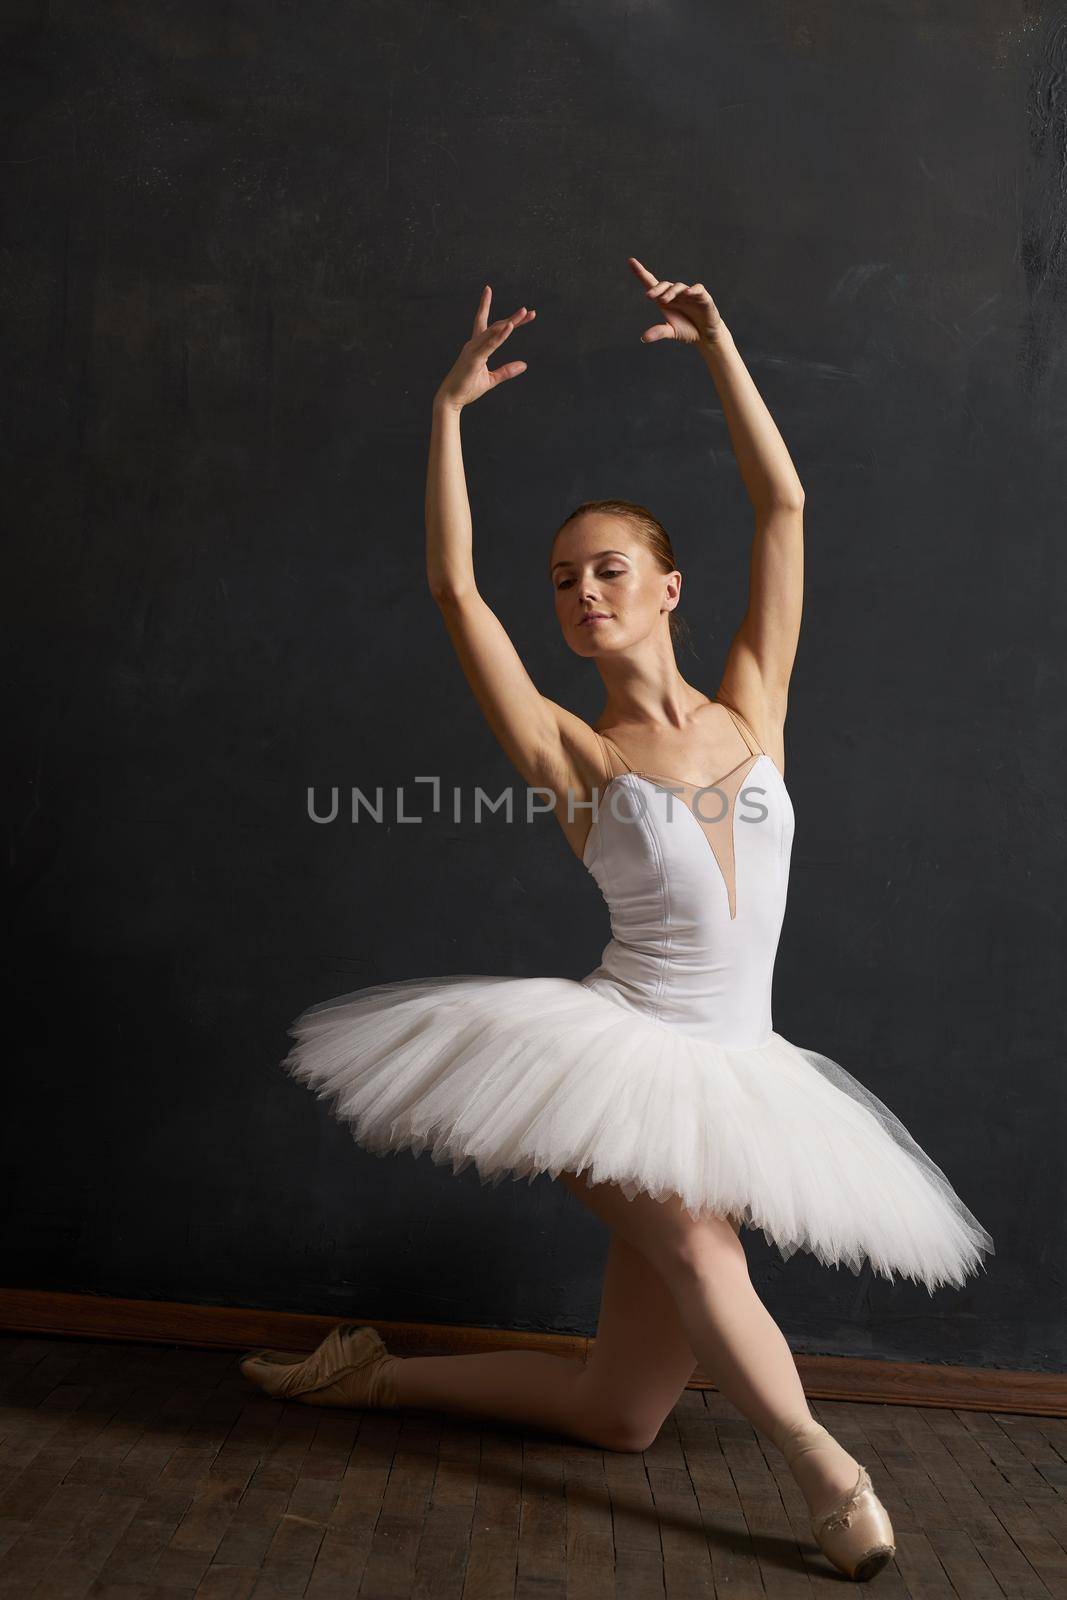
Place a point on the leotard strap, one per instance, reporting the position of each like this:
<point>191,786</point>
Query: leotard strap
<point>742,726</point>
<point>607,744</point>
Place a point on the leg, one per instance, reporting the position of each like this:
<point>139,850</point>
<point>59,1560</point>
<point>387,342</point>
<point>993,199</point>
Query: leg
<point>618,1398</point>
<point>641,1359</point>
<point>737,1342</point>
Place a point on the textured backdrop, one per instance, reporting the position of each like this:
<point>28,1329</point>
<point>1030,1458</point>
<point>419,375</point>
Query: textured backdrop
<point>243,244</point>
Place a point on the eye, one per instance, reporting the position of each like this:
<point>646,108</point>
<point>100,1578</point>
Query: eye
<point>609,572</point>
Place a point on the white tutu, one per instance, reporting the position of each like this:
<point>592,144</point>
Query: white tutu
<point>522,1076</point>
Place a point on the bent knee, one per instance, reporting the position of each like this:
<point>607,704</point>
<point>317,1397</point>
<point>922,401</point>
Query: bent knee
<point>615,1420</point>
<point>627,1435</point>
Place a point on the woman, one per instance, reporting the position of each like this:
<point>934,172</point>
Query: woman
<point>655,1089</point>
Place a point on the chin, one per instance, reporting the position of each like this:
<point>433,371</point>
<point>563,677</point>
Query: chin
<point>589,645</point>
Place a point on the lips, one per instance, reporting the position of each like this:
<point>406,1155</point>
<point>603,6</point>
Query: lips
<point>594,616</point>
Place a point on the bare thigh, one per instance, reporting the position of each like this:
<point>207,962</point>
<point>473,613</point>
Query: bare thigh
<point>661,1230</point>
<point>641,1359</point>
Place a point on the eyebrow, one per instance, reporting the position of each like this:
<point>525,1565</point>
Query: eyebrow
<point>597,557</point>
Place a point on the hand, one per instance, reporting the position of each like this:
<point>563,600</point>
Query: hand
<point>691,314</point>
<point>470,377</point>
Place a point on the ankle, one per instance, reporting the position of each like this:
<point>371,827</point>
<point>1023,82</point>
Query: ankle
<point>384,1389</point>
<point>821,1467</point>
<point>797,1436</point>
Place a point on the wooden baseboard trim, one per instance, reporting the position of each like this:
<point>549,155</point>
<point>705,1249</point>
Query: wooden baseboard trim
<point>87,1316</point>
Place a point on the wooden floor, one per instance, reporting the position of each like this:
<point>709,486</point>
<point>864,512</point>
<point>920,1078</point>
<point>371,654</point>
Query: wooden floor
<point>131,1471</point>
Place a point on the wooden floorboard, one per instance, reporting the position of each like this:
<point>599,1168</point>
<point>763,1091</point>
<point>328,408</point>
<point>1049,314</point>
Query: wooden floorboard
<point>133,1471</point>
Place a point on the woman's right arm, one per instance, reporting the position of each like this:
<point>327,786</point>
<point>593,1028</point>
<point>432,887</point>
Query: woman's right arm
<point>529,727</point>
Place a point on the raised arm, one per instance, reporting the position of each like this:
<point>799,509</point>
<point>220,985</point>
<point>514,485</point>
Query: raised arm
<point>526,723</point>
<point>760,659</point>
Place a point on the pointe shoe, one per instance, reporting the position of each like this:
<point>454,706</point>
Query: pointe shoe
<point>856,1533</point>
<point>351,1367</point>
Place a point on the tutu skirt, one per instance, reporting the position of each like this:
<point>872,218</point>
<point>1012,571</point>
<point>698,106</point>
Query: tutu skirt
<point>523,1076</point>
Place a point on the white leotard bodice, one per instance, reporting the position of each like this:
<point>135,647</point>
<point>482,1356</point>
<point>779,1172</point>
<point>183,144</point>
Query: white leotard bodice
<point>695,880</point>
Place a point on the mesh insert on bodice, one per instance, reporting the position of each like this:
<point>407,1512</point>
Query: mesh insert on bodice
<point>712,805</point>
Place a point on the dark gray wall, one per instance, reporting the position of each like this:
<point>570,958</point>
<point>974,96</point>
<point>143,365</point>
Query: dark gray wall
<point>243,245</point>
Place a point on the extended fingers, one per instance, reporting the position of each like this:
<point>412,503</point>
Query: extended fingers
<point>497,332</point>
<point>481,316</point>
<point>643,273</point>
<point>655,288</point>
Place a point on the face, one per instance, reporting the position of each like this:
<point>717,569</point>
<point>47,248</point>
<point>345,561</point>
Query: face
<point>601,571</point>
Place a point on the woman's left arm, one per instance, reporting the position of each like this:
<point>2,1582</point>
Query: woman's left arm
<point>760,660</point>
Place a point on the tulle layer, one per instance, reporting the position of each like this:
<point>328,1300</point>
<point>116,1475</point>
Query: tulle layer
<point>522,1076</point>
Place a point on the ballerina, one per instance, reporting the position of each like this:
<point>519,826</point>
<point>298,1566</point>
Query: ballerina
<point>655,1089</point>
